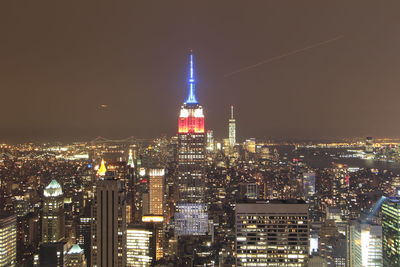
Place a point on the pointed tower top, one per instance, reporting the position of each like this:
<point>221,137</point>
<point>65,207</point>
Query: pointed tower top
<point>232,112</point>
<point>191,82</point>
<point>103,169</point>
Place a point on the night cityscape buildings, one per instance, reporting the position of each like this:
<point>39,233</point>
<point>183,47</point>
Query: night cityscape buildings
<point>197,198</point>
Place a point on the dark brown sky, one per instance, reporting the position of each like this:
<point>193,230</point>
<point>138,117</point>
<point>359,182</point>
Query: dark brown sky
<point>60,60</point>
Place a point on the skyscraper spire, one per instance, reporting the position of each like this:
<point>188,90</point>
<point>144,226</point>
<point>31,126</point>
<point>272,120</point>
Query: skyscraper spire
<point>191,82</point>
<point>231,112</point>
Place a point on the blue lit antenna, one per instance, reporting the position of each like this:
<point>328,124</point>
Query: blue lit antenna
<point>191,97</point>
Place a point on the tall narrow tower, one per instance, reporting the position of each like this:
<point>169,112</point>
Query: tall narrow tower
<point>109,224</point>
<point>53,213</point>
<point>191,146</point>
<point>191,163</point>
<point>232,130</point>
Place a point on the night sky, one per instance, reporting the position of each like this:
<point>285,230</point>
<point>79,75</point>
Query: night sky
<point>61,60</point>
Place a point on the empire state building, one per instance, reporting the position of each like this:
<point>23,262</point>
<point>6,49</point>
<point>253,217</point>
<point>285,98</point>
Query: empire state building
<point>191,216</point>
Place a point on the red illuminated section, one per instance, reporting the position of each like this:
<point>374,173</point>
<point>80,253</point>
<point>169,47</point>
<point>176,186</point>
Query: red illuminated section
<point>191,125</point>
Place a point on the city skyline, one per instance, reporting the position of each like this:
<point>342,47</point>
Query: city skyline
<point>320,71</point>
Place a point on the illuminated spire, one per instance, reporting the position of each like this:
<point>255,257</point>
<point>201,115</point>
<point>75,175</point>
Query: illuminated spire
<point>130,159</point>
<point>192,96</point>
<point>232,113</point>
<point>102,170</point>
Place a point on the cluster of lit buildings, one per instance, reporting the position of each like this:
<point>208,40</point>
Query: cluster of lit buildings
<point>192,200</point>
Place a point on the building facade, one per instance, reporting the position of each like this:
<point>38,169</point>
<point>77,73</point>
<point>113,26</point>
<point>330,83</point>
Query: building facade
<point>391,231</point>
<point>365,244</point>
<point>53,220</point>
<point>191,163</point>
<point>109,225</point>
<point>8,239</point>
<point>272,233</point>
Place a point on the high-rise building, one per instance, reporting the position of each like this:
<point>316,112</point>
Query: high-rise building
<point>369,145</point>
<point>272,233</point>
<point>156,191</point>
<point>139,244</point>
<point>365,248</point>
<point>8,239</point>
<point>83,232</point>
<point>75,257</point>
<point>391,231</point>
<point>309,184</point>
<point>109,224</point>
<point>53,220</point>
<point>191,161</point>
<point>51,254</point>
<point>232,130</point>
<point>210,140</point>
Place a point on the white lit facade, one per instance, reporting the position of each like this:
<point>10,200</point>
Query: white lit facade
<point>365,245</point>
<point>138,246</point>
<point>272,234</point>
<point>8,240</point>
<point>191,219</point>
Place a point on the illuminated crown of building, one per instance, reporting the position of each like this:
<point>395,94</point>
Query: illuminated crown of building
<point>53,189</point>
<point>130,159</point>
<point>191,117</point>
<point>103,169</point>
<point>75,249</point>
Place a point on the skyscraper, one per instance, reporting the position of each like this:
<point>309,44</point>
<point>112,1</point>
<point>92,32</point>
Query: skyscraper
<point>109,225</point>
<point>272,233</point>
<point>191,163</point>
<point>309,184</point>
<point>139,246</point>
<point>75,257</point>
<point>8,240</point>
<point>365,244</point>
<point>156,192</point>
<point>53,226</point>
<point>232,130</point>
<point>391,231</point>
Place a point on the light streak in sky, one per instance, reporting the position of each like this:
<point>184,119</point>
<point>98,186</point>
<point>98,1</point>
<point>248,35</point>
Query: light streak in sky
<point>285,55</point>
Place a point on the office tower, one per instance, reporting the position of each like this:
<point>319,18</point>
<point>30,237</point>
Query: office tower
<point>317,261</point>
<point>140,196</point>
<point>226,146</point>
<point>75,257</point>
<point>8,239</point>
<point>53,228</point>
<point>109,224</point>
<point>83,232</point>
<point>191,163</point>
<point>156,191</point>
<point>52,254</point>
<point>369,145</point>
<point>210,140</point>
<point>309,184</point>
<point>272,233</point>
<point>250,145</point>
<point>365,248</point>
<point>332,245</point>
<point>139,244</point>
<point>249,191</point>
<point>191,219</point>
<point>232,130</point>
<point>391,231</point>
